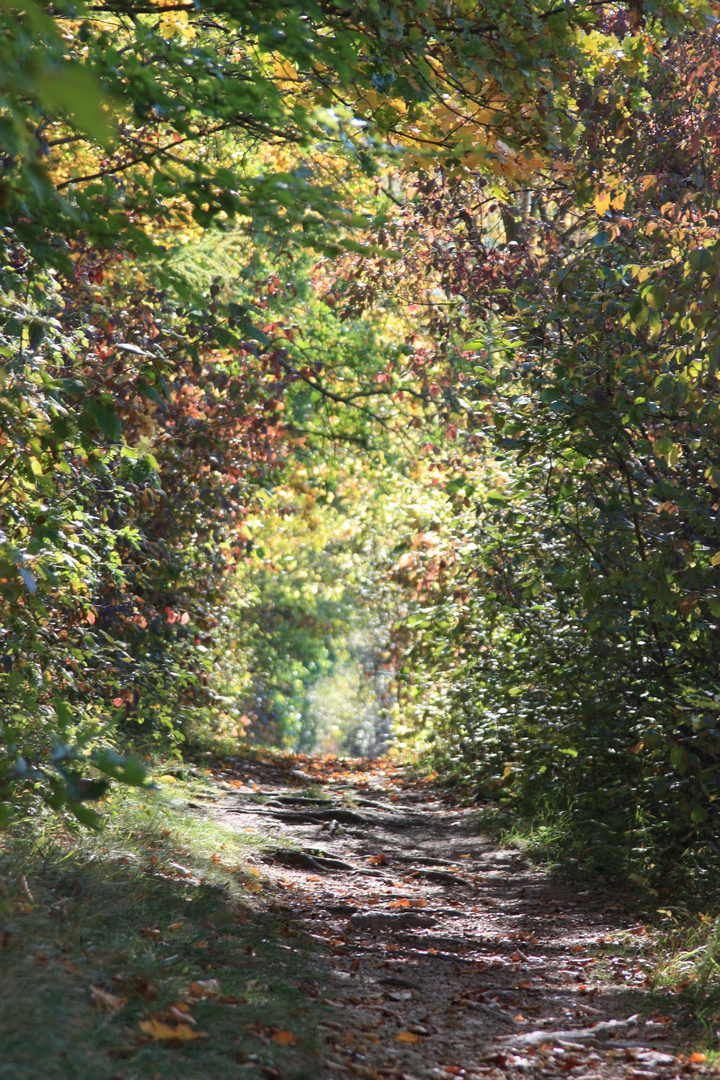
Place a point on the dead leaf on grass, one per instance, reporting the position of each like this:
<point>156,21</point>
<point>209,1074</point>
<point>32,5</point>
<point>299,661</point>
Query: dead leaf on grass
<point>179,1010</point>
<point>151,932</point>
<point>109,1003</point>
<point>284,1038</point>
<point>159,1030</point>
<point>205,987</point>
<point>133,984</point>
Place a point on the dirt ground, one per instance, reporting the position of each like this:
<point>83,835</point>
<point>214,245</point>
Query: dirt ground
<point>441,954</point>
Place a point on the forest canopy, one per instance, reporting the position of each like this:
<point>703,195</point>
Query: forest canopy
<point>370,347</point>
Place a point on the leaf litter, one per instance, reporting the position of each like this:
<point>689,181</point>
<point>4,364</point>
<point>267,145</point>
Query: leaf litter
<point>476,940</point>
<point>491,970</point>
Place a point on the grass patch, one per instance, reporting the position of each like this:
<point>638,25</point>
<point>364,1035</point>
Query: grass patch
<point>162,898</point>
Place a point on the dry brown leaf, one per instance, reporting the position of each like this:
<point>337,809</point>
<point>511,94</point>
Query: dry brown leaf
<point>180,1011</point>
<point>109,1003</point>
<point>176,925</point>
<point>132,984</point>
<point>205,987</point>
<point>407,1037</point>
<point>151,932</point>
<point>378,860</point>
<point>158,1029</point>
<point>284,1038</point>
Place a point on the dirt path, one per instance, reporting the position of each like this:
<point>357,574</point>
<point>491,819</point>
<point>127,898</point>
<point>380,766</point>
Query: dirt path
<point>441,954</point>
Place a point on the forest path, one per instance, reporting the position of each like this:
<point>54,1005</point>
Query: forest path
<point>441,954</point>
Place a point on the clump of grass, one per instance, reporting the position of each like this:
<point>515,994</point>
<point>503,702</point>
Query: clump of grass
<point>688,965</point>
<point>162,897</point>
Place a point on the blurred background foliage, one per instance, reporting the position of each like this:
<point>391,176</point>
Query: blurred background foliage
<point>358,383</point>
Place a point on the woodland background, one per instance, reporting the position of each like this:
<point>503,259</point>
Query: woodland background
<point>358,384</point>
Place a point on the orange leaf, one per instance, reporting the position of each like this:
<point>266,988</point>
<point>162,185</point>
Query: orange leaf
<point>378,860</point>
<point>156,1029</point>
<point>151,932</point>
<point>407,1037</point>
<point>697,1058</point>
<point>283,1038</point>
<point>400,903</point>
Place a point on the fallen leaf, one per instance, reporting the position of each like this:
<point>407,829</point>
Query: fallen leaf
<point>176,925</point>
<point>163,1032</point>
<point>205,987</point>
<point>283,1038</point>
<point>151,932</point>
<point>378,860</point>
<point>132,984</point>
<point>109,1003</point>
<point>181,1012</point>
<point>697,1058</point>
<point>407,1037</point>
<point>400,903</point>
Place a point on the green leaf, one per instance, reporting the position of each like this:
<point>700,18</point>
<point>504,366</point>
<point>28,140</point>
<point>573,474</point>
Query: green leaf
<point>105,418</point>
<point>85,814</point>
<point>128,770</point>
<point>75,90</point>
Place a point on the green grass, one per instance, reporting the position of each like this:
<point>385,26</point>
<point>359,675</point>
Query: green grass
<point>155,867</point>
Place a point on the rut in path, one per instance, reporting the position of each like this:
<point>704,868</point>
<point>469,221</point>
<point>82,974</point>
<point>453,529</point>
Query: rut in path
<point>442,954</point>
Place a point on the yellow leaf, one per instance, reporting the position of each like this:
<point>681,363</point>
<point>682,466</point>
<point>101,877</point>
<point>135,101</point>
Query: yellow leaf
<point>601,202</point>
<point>636,748</point>
<point>407,1037</point>
<point>283,1038</point>
<point>715,559</point>
<point>161,1031</point>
